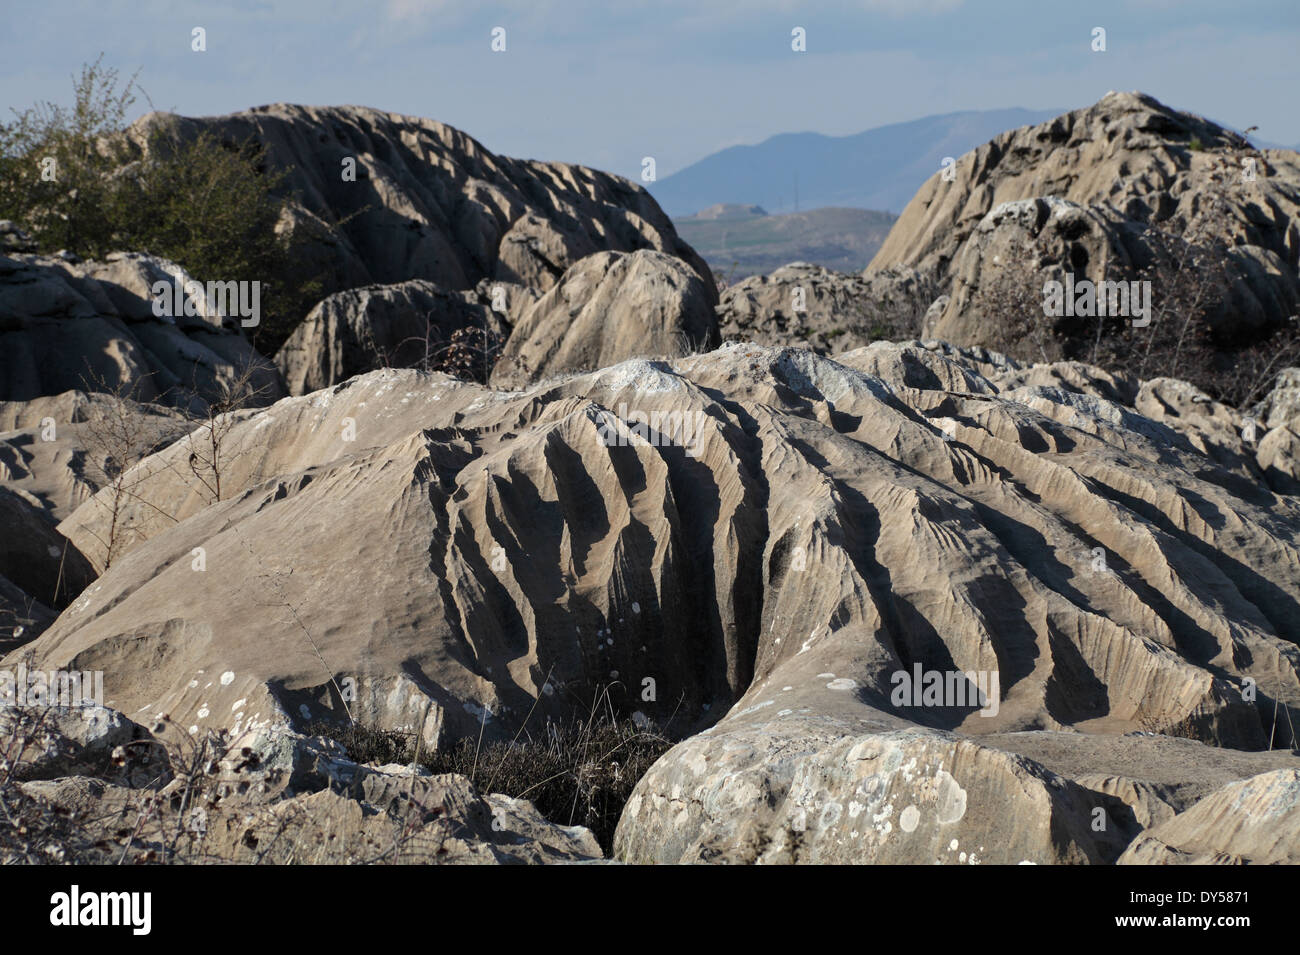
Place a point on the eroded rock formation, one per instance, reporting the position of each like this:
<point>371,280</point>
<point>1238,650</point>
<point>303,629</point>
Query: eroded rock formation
<point>770,538</point>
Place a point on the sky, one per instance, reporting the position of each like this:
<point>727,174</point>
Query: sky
<point>606,83</point>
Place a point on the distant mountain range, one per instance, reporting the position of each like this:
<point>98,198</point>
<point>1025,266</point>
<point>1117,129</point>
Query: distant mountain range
<point>742,240</point>
<point>878,169</point>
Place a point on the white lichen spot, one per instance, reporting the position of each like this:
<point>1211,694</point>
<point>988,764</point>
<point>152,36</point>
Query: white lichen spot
<point>909,819</point>
<point>228,678</point>
<point>843,683</point>
<point>950,798</point>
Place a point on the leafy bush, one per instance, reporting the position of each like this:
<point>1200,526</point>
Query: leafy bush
<point>73,180</point>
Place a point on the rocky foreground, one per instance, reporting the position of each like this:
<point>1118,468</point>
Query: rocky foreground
<point>766,536</point>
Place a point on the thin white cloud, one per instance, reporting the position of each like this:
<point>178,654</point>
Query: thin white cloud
<point>419,10</point>
<point>902,8</point>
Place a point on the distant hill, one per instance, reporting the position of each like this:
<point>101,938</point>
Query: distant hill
<point>878,169</point>
<point>742,240</point>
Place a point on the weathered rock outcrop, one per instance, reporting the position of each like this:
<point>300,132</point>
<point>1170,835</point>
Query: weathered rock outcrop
<point>607,308</point>
<point>829,312</point>
<point>761,533</point>
<point>97,787</point>
<point>1022,245</point>
<point>1281,407</point>
<point>397,326</point>
<point>35,556</point>
<point>429,202</point>
<point>916,603</point>
<point>69,325</point>
<point>1148,163</point>
<point>1255,821</point>
<point>786,787</point>
<point>1111,192</point>
<point>53,450</point>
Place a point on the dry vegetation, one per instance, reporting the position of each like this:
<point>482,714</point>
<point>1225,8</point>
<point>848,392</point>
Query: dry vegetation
<point>1192,334</point>
<point>579,774</point>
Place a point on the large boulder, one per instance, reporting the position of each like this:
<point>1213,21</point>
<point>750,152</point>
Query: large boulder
<point>607,308</point>
<point>385,198</point>
<point>90,326</point>
<point>407,325</point>
<point>60,449</point>
<point>777,786</point>
<point>35,556</point>
<point>998,280</point>
<point>1281,406</point>
<point>829,312</point>
<point>1147,162</point>
<point>1253,821</point>
<point>1126,190</point>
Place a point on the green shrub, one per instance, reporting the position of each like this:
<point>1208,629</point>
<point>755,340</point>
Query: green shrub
<point>58,165</point>
<point>73,180</point>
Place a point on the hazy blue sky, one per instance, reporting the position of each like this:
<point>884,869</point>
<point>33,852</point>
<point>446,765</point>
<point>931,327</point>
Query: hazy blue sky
<point>606,83</point>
